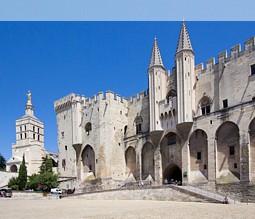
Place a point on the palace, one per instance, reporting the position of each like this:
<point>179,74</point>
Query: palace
<point>195,125</point>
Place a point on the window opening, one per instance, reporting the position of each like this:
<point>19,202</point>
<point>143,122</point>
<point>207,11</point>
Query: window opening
<point>199,155</point>
<point>138,124</point>
<point>171,140</point>
<point>253,69</point>
<point>231,150</point>
<point>225,103</point>
<point>88,128</point>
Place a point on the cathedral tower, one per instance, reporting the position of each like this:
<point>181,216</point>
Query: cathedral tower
<point>157,86</point>
<point>184,60</point>
<point>29,141</point>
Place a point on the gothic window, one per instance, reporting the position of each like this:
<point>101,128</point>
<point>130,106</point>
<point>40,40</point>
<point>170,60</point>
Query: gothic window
<point>88,128</point>
<point>205,104</point>
<point>38,137</point>
<point>33,128</point>
<point>170,94</point>
<point>138,124</point>
<point>33,136</point>
<point>38,130</point>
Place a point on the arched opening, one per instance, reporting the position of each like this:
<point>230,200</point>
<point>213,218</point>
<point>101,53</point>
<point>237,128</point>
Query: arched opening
<point>130,157</point>
<point>198,150</point>
<point>88,160</point>
<point>170,150</point>
<point>228,153</point>
<point>88,128</point>
<point>252,149</point>
<point>148,161</point>
<point>14,168</point>
<point>172,174</point>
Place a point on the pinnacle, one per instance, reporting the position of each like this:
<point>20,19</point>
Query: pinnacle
<point>184,40</point>
<point>156,59</point>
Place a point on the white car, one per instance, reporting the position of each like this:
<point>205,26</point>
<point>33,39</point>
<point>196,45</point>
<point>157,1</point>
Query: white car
<point>56,191</point>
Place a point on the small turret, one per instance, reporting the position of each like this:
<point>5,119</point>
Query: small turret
<point>157,86</point>
<point>156,59</point>
<point>184,40</point>
<point>185,77</point>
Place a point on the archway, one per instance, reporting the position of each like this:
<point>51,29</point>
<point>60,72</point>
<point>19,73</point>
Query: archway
<point>170,150</point>
<point>130,157</point>
<point>172,174</point>
<point>228,153</point>
<point>148,161</point>
<point>198,150</point>
<point>88,160</point>
<point>252,149</point>
<point>14,168</point>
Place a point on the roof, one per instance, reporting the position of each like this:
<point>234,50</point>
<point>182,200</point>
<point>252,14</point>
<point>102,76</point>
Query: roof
<point>156,59</point>
<point>184,40</point>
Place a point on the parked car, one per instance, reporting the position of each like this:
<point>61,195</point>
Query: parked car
<point>6,192</point>
<point>56,191</point>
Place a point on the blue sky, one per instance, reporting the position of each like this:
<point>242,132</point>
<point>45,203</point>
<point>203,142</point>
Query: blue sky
<point>53,59</point>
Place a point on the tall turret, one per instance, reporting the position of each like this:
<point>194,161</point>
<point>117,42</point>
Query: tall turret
<point>157,86</point>
<point>184,60</point>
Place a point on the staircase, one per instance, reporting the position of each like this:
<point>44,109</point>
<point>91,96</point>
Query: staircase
<point>213,196</point>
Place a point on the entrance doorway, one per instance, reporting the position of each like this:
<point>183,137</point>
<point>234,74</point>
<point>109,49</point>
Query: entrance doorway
<point>172,174</point>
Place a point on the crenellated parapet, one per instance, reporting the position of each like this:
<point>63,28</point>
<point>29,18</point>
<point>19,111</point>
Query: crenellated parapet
<point>223,58</point>
<point>138,97</point>
<point>67,101</point>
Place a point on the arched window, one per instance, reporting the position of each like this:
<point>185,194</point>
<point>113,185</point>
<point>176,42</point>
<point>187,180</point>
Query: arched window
<point>205,104</point>
<point>88,128</point>
<point>138,124</point>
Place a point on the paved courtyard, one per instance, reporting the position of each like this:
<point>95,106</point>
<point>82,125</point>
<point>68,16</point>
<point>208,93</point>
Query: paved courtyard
<point>79,208</point>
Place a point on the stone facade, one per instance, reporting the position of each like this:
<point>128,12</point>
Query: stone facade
<point>29,142</point>
<point>195,125</point>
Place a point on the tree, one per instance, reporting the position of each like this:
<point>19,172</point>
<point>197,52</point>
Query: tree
<point>33,182</point>
<point>2,162</point>
<point>13,183</point>
<point>46,179</point>
<point>46,166</point>
<point>22,177</point>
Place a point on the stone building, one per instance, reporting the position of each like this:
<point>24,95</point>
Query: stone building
<point>29,142</point>
<point>195,125</point>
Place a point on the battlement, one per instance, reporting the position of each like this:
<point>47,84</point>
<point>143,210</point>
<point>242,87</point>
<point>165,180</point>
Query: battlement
<point>67,101</point>
<point>235,52</point>
<point>138,97</point>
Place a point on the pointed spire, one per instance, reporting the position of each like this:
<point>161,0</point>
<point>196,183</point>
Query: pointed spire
<point>184,40</point>
<point>29,106</point>
<point>156,59</point>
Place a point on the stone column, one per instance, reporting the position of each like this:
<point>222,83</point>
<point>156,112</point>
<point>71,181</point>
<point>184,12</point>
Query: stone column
<point>185,162</point>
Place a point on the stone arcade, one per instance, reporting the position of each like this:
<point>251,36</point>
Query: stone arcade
<point>196,125</point>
